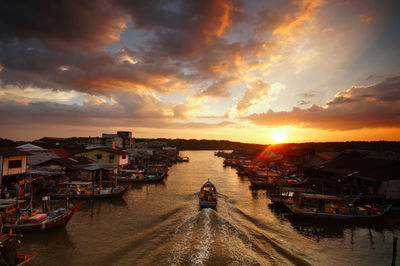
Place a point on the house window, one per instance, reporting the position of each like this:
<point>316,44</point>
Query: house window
<point>111,156</point>
<point>123,156</point>
<point>98,156</point>
<point>15,164</point>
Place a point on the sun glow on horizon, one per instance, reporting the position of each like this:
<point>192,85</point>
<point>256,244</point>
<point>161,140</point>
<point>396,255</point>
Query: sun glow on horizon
<point>279,136</point>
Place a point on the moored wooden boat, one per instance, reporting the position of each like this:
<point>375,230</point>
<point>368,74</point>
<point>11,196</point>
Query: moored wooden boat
<point>332,207</point>
<point>279,195</point>
<point>21,220</point>
<point>208,195</point>
<point>86,190</point>
<point>144,179</point>
<point>140,177</point>
<point>260,183</point>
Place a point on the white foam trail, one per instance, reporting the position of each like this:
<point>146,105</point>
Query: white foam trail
<point>235,236</point>
<point>181,247</point>
<point>202,248</point>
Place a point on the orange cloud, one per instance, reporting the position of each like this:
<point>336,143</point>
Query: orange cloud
<point>256,92</point>
<point>377,105</point>
<point>222,18</point>
<point>295,23</point>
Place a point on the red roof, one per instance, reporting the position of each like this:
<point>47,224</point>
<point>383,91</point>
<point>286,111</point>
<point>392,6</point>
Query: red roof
<point>60,152</point>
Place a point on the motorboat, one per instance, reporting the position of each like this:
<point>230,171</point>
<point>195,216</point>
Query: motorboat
<point>208,195</point>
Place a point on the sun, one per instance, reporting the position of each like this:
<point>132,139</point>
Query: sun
<point>279,136</point>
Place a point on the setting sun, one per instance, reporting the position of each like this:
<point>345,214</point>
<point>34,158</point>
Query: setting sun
<point>279,136</point>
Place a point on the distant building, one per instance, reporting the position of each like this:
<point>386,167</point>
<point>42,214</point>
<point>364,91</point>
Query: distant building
<point>127,140</point>
<point>89,141</point>
<point>141,145</point>
<point>52,141</point>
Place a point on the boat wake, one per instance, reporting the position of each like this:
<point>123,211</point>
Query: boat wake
<point>206,236</point>
<point>228,236</point>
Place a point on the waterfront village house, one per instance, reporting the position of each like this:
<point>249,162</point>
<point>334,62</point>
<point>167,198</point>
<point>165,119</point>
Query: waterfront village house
<point>39,155</point>
<point>12,164</point>
<point>69,167</point>
<point>354,172</point>
<point>106,156</point>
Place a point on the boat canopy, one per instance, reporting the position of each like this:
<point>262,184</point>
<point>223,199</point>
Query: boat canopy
<point>320,197</point>
<point>76,183</point>
<point>208,186</point>
<point>7,203</point>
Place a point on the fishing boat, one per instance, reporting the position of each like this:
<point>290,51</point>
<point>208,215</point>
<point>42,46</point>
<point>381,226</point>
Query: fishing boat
<point>332,207</point>
<point>208,195</point>
<point>20,219</point>
<point>275,181</point>
<point>9,255</point>
<point>135,176</point>
<point>279,195</point>
<point>87,190</point>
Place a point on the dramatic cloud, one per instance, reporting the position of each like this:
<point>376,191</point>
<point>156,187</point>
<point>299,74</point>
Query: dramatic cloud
<point>182,63</point>
<point>256,92</point>
<point>295,21</point>
<point>96,72</point>
<point>377,105</point>
<point>181,27</point>
<point>131,110</point>
<point>63,24</point>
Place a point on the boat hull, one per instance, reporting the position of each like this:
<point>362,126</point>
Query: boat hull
<point>48,223</point>
<point>115,194</point>
<point>334,216</point>
<point>143,180</point>
<point>23,258</point>
<point>261,184</point>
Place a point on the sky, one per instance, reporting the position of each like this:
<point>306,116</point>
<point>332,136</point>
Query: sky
<point>249,71</point>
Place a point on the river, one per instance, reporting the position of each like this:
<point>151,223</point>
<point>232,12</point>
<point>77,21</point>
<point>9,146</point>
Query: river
<point>161,224</point>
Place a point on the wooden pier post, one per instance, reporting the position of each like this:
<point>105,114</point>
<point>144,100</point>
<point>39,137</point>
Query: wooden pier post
<point>394,251</point>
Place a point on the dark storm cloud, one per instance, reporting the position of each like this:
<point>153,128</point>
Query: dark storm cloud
<point>40,39</point>
<point>181,27</point>
<point>373,106</point>
<point>63,24</point>
<point>99,72</point>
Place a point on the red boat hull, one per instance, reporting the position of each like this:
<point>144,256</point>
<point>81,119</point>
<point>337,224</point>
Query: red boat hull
<point>48,223</point>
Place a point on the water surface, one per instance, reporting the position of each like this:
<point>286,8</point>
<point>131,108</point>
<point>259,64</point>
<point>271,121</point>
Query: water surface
<point>161,224</point>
